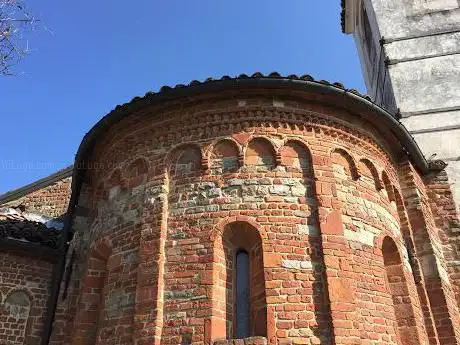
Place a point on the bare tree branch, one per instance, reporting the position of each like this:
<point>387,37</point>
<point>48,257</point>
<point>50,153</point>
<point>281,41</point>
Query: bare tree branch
<point>15,21</point>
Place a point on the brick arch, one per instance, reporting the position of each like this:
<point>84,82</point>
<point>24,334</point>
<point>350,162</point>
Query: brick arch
<point>417,274</point>
<point>183,155</point>
<point>99,193</point>
<point>342,157</point>
<point>260,152</point>
<point>225,155</point>
<point>137,167</point>
<point>232,236</point>
<point>91,299</point>
<point>398,199</point>
<point>20,290</point>
<point>405,228</point>
<point>136,172</point>
<point>16,309</point>
<point>230,140</point>
<point>366,167</point>
<point>294,150</point>
<point>378,240</point>
<point>220,226</point>
<point>390,190</point>
<point>115,179</point>
<point>397,285</point>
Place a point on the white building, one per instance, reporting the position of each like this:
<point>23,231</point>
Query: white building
<point>410,56</point>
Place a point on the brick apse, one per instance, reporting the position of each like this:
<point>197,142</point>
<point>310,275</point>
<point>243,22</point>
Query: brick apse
<point>253,210</point>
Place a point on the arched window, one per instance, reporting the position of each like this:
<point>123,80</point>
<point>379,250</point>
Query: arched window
<point>240,298</point>
<point>242,302</point>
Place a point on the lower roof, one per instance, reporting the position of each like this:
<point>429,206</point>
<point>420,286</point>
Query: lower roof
<point>36,185</point>
<point>22,228</point>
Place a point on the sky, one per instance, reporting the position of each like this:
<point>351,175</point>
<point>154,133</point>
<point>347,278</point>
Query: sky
<point>89,56</point>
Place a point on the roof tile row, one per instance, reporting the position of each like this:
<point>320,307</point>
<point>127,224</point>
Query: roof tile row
<point>256,75</point>
<point>26,227</point>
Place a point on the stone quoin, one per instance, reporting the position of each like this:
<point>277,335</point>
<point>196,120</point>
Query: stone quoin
<point>244,210</point>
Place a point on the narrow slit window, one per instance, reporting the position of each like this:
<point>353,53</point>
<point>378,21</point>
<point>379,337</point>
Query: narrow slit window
<point>242,295</point>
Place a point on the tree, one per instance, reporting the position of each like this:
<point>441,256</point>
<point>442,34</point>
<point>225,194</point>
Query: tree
<point>15,21</point>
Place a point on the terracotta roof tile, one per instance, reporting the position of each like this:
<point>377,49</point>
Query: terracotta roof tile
<point>352,98</point>
<point>29,227</point>
<point>256,75</point>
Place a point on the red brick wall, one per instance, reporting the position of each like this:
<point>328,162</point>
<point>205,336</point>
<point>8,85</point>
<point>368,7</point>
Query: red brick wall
<point>448,222</point>
<point>51,201</point>
<point>24,288</point>
<point>25,280</point>
<point>318,188</point>
<point>430,256</point>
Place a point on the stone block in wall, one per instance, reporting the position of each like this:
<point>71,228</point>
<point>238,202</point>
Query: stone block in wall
<point>244,341</point>
<point>119,301</point>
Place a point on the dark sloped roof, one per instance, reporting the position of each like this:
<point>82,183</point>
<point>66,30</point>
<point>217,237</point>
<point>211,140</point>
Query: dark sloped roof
<point>32,187</point>
<point>26,227</point>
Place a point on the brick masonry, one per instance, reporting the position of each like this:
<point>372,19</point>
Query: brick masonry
<point>50,200</point>
<point>347,243</point>
<point>24,289</point>
<point>25,279</point>
<point>316,196</point>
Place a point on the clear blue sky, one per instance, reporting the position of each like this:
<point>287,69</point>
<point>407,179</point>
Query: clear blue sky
<point>103,53</point>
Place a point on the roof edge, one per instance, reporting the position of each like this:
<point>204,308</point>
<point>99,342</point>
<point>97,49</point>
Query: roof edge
<point>34,186</point>
<point>36,250</point>
<point>347,98</point>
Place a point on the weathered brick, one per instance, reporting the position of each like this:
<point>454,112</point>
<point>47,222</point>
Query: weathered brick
<point>337,254</point>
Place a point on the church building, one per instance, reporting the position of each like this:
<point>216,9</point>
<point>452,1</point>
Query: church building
<point>257,209</point>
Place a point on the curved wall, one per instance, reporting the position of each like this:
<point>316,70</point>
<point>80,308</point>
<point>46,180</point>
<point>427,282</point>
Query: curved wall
<point>307,190</point>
